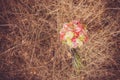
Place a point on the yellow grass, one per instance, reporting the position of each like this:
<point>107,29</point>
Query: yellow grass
<point>34,51</point>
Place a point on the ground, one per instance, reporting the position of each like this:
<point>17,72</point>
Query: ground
<point>30,48</point>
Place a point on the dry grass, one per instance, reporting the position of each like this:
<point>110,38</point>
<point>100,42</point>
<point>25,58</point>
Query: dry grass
<point>30,48</point>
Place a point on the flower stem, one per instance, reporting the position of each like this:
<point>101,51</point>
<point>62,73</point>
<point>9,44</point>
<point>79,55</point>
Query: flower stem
<point>76,59</point>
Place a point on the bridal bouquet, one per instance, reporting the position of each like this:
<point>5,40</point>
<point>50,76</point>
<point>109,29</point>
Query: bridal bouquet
<point>74,34</point>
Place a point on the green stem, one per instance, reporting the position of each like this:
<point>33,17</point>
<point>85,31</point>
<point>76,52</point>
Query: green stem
<point>76,59</point>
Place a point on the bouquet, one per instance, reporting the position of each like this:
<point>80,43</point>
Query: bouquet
<point>74,34</point>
